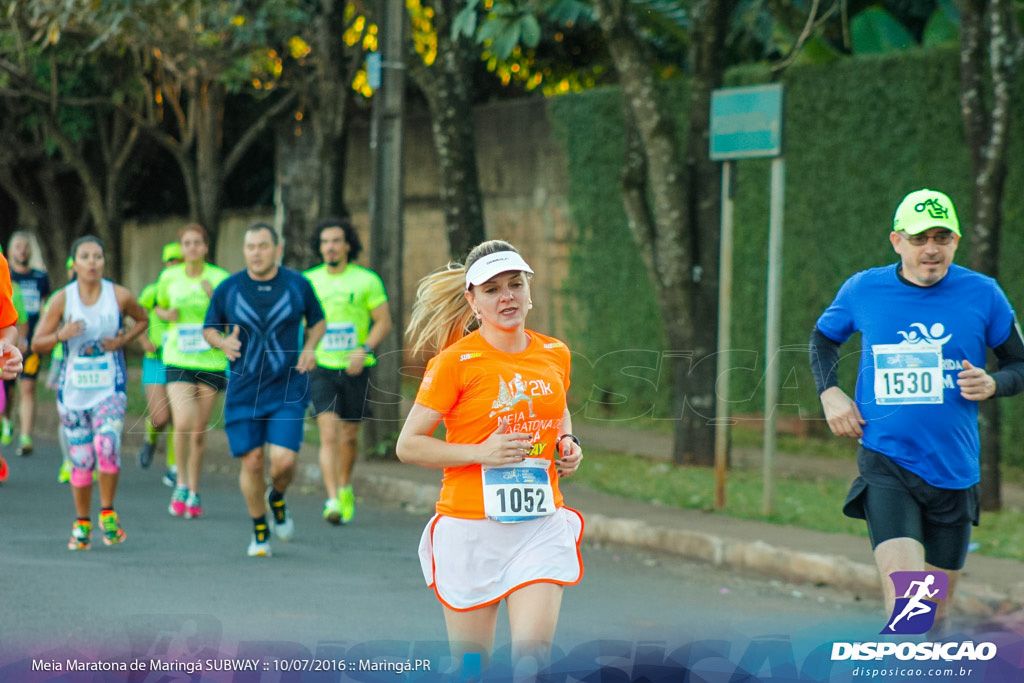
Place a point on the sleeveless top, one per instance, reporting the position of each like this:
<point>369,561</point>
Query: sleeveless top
<point>90,374</point>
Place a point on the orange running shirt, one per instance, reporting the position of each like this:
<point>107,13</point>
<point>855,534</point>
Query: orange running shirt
<point>474,386</point>
<point>8,316</point>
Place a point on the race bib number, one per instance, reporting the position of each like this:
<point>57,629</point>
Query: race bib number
<point>517,493</point>
<point>93,372</point>
<point>339,337</point>
<point>191,339</point>
<point>31,299</point>
<point>908,373</point>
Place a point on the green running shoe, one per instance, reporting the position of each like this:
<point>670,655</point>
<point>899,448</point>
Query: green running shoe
<point>81,535</point>
<point>332,511</point>
<point>347,501</point>
<point>112,531</point>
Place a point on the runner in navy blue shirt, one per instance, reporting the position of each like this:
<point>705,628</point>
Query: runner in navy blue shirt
<point>257,317</point>
<point>35,290</point>
<point>926,326</point>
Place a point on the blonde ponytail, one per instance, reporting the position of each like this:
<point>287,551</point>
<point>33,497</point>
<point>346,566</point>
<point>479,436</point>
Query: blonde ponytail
<point>441,315</point>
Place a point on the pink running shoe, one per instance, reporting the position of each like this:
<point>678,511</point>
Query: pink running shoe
<point>178,500</point>
<point>193,507</point>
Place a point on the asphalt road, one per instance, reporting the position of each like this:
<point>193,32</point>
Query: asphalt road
<point>184,590</point>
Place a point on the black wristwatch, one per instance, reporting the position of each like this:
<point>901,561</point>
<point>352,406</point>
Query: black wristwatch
<point>567,436</point>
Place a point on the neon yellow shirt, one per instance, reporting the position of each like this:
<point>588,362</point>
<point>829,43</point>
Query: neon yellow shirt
<point>157,327</point>
<point>18,301</point>
<point>347,299</point>
<point>184,345</point>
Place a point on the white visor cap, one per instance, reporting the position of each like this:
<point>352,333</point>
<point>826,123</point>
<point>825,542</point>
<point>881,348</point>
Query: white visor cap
<point>483,269</point>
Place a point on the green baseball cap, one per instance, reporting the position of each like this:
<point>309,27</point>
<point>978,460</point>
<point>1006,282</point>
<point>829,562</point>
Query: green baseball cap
<point>172,250</point>
<point>925,209</point>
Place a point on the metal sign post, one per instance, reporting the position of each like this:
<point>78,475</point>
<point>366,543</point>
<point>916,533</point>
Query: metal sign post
<point>746,123</point>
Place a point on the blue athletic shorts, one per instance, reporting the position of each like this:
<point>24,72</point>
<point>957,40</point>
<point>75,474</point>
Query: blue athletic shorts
<point>282,427</point>
<point>153,371</point>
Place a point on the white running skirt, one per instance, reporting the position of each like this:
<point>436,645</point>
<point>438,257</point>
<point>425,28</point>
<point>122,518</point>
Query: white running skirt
<point>471,563</point>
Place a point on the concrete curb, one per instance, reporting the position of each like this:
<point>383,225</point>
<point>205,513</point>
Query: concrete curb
<point>753,556</point>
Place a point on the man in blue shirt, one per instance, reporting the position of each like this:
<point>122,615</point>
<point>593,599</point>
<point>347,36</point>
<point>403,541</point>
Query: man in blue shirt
<point>925,325</point>
<point>256,317</point>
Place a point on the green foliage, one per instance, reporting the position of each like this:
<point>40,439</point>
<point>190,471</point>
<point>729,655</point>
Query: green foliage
<point>875,30</point>
<point>808,503</point>
<point>859,135</point>
<point>504,26</point>
<point>615,325</point>
<point>943,26</point>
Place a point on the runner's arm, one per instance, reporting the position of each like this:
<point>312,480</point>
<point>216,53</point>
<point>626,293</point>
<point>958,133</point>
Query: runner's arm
<point>307,356</point>
<point>49,326</point>
<point>841,412</point>
<point>418,446</point>
<point>1010,357</point>
<point>571,452</point>
<point>381,316</point>
<point>824,361</point>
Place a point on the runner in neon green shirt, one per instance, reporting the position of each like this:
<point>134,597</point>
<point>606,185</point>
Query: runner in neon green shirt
<point>154,377</point>
<point>358,319</point>
<point>195,372</point>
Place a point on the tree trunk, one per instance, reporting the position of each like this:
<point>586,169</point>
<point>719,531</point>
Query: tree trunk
<point>315,188</point>
<point>990,52</point>
<point>49,201</point>
<point>104,226</point>
<point>448,86</point>
<point>677,227</point>
<point>334,75</point>
<point>209,172</point>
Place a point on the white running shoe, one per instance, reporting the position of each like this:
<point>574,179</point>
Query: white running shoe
<point>258,548</point>
<point>280,519</point>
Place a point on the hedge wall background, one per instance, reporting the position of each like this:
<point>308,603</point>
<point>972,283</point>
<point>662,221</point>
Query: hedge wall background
<point>859,134</point>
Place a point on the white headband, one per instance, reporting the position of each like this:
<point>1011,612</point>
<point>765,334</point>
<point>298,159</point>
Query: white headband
<point>485,268</point>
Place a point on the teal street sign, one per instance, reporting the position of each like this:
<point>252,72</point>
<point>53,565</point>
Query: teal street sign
<point>746,123</point>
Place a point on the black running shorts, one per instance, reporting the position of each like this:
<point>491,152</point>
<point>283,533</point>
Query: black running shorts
<point>896,503</point>
<point>341,393</point>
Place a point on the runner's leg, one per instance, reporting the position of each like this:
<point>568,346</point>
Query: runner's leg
<point>252,482</point>
<point>205,398</point>
<point>282,467</point>
<point>943,608</point>
<point>27,405</point>
<point>348,443</point>
<point>157,405</point>
<point>533,615</point>
<point>897,555</point>
<point>330,460</point>
<point>181,396</point>
<point>471,632</point>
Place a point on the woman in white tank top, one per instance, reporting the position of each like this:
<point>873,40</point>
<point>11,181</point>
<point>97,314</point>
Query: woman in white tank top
<point>87,317</point>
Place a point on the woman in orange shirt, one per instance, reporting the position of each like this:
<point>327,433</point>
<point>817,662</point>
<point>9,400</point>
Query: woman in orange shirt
<point>9,353</point>
<point>501,531</point>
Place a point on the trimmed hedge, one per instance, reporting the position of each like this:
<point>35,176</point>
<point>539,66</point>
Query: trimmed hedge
<point>859,134</point>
